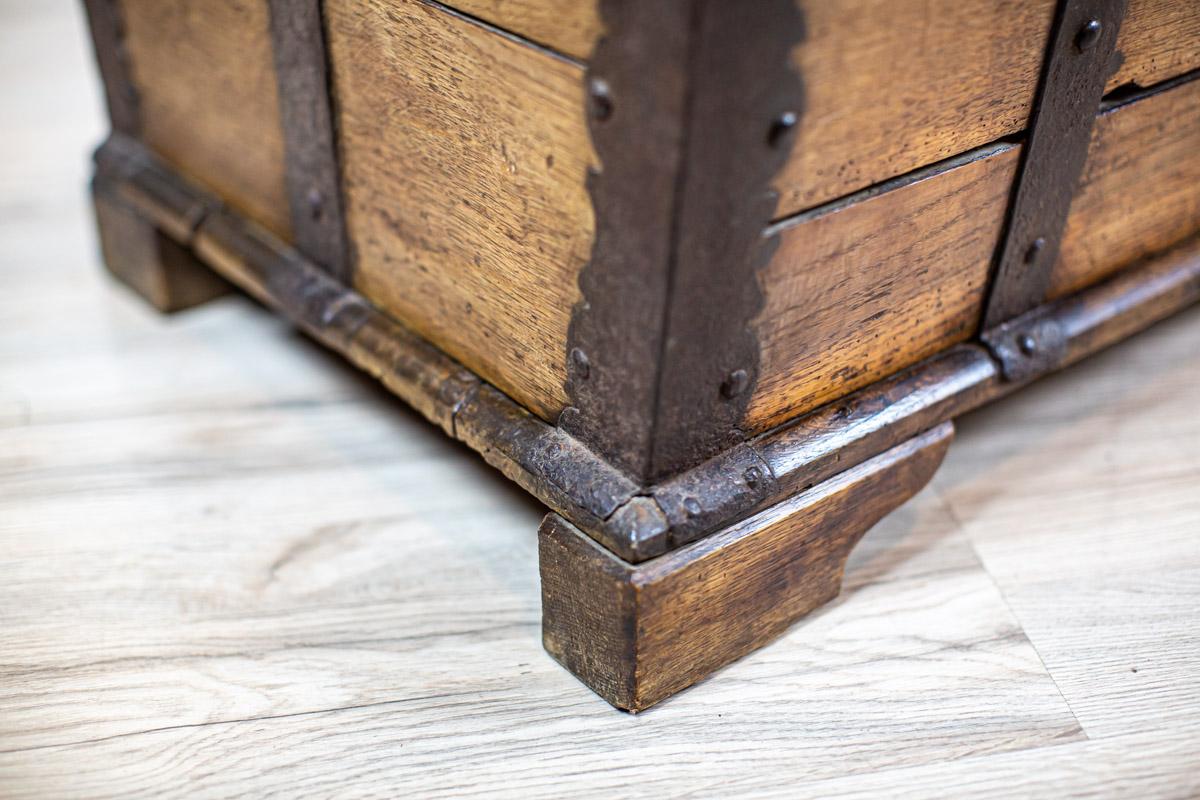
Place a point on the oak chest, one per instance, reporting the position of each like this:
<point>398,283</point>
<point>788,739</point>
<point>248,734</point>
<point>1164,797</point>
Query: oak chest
<point>710,279</point>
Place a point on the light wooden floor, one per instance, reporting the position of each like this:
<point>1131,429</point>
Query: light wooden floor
<point>230,567</point>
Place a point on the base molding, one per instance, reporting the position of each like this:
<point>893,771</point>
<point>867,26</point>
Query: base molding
<point>638,633</point>
<point>167,274</point>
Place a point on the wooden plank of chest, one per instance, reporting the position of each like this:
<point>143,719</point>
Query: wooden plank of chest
<point>568,26</point>
<point>893,85</point>
<point>1159,39</point>
<point>205,78</point>
<point>464,160</point>
<point>869,287</point>
<point>884,99</point>
<point>1140,190</point>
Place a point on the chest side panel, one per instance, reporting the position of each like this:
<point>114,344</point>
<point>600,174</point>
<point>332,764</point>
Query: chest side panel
<point>209,105</point>
<point>464,160</point>
<point>1140,189</point>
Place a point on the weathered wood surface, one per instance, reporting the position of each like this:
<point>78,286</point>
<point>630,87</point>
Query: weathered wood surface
<point>869,287</point>
<point>638,634</point>
<point>568,26</point>
<point>465,156</point>
<point>1140,189</point>
<point>929,84</point>
<point>1159,39</point>
<point>209,105</point>
<point>882,99</point>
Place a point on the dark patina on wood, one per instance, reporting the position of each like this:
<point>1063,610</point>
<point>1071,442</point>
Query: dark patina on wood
<point>313,185</point>
<point>1078,64</point>
<point>637,634</point>
<point>108,32</point>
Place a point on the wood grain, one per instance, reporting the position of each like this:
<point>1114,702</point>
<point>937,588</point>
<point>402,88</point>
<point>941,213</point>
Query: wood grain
<point>568,26</point>
<point>465,156</point>
<point>1140,189</point>
<point>205,76</point>
<point>1164,767</point>
<point>638,634</point>
<point>1159,39</point>
<point>893,86</point>
<point>877,284</point>
<point>1113,592</point>
<point>159,468</point>
<point>885,105</point>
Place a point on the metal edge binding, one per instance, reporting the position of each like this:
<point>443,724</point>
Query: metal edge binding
<point>634,521</point>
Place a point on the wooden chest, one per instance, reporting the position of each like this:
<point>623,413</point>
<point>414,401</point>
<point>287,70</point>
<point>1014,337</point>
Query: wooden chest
<point>710,279</point>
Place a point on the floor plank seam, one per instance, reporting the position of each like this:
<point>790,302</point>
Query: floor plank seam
<point>263,718</point>
<point>1012,612</point>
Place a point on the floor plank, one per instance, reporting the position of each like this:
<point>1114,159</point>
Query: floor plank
<point>1089,521</point>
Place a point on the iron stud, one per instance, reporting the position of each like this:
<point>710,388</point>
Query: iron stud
<point>1027,344</point>
<point>735,383</point>
<point>781,126</point>
<point>1088,35</point>
<point>601,99</point>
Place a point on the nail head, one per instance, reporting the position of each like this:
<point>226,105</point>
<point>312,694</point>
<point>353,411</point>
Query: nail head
<point>752,476</point>
<point>1035,249</point>
<point>735,383</point>
<point>316,203</point>
<point>781,126</point>
<point>601,99</point>
<point>1088,35</point>
<point>580,362</point>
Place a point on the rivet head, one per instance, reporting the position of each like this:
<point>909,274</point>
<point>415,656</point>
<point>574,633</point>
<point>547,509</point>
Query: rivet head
<point>692,506</point>
<point>1088,35</point>
<point>580,363</point>
<point>1034,250</point>
<point>735,383</point>
<point>1027,344</point>
<point>752,476</point>
<point>781,126</point>
<point>316,203</point>
<point>600,99</point>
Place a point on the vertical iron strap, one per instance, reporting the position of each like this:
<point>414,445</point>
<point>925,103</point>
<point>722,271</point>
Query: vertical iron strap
<point>1075,70</point>
<point>310,151</point>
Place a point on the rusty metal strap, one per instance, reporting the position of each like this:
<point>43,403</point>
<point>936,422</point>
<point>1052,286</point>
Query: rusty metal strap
<point>1076,68</point>
<point>312,174</point>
